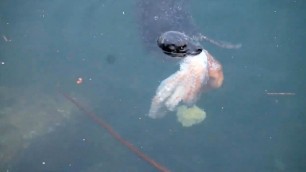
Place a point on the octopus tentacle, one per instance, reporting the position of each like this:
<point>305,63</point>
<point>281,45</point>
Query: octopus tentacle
<point>183,86</point>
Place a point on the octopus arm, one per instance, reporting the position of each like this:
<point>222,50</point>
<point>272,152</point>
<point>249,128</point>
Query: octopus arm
<point>183,86</point>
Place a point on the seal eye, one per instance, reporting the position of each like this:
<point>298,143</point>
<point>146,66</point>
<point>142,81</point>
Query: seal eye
<point>183,47</point>
<point>171,47</point>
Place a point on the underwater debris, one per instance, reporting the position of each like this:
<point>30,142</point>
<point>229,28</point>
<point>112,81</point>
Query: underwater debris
<point>110,59</point>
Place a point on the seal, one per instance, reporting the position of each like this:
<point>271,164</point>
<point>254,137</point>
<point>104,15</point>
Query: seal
<point>159,16</point>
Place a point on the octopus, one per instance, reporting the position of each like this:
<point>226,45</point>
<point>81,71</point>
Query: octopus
<point>199,71</point>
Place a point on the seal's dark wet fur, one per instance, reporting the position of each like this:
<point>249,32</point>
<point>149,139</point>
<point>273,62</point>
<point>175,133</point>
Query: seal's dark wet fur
<point>158,16</point>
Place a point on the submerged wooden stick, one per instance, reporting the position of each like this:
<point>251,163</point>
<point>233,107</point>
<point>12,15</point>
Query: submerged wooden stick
<point>116,135</point>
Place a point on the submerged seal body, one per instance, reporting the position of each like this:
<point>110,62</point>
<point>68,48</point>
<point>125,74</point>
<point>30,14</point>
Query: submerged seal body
<point>157,17</point>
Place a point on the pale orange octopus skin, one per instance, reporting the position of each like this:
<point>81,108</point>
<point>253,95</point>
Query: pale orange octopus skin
<point>197,73</point>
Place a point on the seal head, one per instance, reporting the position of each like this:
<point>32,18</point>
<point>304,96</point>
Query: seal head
<point>177,44</point>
